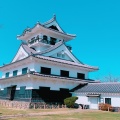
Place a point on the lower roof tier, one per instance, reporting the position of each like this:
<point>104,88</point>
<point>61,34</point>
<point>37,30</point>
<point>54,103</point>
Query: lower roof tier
<point>33,81</point>
<point>55,61</point>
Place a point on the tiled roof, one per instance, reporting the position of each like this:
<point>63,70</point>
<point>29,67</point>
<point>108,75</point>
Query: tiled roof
<point>66,62</point>
<point>38,24</point>
<point>110,87</point>
<point>51,48</point>
<point>67,78</point>
<point>28,49</point>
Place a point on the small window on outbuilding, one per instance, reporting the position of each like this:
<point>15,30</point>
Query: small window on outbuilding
<point>22,90</point>
<point>24,71</point>
<point>7,74</point>
<point>15,72</point>
<point>108,100</point>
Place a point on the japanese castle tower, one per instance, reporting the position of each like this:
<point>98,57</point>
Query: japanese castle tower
<point>44,68</point>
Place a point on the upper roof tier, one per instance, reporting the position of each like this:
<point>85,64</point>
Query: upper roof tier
<point>50,28</point>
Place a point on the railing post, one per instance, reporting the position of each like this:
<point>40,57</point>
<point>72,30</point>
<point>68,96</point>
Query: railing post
<point>34,105</point>
<point>58,105</point>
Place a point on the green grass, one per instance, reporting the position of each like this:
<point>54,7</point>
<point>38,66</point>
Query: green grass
<point>67,114</point>
<point>76,116</point>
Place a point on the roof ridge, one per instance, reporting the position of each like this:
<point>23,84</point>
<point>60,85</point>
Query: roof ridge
<point>50,21</point>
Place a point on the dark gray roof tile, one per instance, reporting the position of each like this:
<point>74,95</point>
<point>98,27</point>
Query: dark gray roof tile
<point>112,87</point>
<point>28,49</point>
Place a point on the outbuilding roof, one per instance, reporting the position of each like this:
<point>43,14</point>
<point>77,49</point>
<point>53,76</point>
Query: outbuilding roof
<point>110,87</point>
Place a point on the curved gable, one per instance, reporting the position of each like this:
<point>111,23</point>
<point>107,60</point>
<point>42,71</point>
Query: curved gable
<point>62,52</point>
<point>20,54</point>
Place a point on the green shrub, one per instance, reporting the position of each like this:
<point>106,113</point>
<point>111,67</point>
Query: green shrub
<point>69,102</point>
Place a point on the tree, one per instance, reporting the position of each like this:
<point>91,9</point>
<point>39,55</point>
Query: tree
<point>111,78</point>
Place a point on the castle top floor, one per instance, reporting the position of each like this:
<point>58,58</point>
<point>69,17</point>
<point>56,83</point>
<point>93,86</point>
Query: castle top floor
<point>48,33</point>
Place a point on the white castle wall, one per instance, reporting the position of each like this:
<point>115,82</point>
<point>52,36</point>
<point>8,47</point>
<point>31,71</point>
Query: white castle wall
<point>55,69</point>
<point>30,66</point>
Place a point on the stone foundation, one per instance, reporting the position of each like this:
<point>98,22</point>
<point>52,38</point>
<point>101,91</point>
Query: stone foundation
<point>29,105</point>
<point>15,104</point>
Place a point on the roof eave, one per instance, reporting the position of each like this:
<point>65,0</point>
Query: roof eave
<point>26,35</point>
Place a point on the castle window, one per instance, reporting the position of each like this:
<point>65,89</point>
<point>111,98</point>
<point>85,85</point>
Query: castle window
<point>58,54</point>
<point>45,37</point>
<point>22,90</point>
<point>52,40</point>
<point>80,76</point>
<point>15,73</point>
<point>54,27</point>
<point>45,70</point>
<point>64,73</point>
<point>24,71</point>
<point>5,91</point>
<point>7,74</point>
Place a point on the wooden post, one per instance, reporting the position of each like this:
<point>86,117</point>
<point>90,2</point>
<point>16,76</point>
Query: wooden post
<point>58,105</point>
<point>108,108</point>
<point>34,105</point>
<point>65,106</point>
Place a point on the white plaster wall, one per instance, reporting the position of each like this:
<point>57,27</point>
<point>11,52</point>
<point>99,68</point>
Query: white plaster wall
<point>82,99</point>
<point>30,66</point>
<point>55,70</point>
<point>115,99</point>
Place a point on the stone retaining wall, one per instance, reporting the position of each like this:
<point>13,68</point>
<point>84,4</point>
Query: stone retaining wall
<point>29,105</point>
<point>15,104</point>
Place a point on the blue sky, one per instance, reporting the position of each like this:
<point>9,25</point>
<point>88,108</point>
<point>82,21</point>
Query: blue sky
<point>95,22</point>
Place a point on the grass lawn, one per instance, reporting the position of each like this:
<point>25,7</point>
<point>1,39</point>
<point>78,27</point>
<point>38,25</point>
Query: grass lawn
<point>60,114</point>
